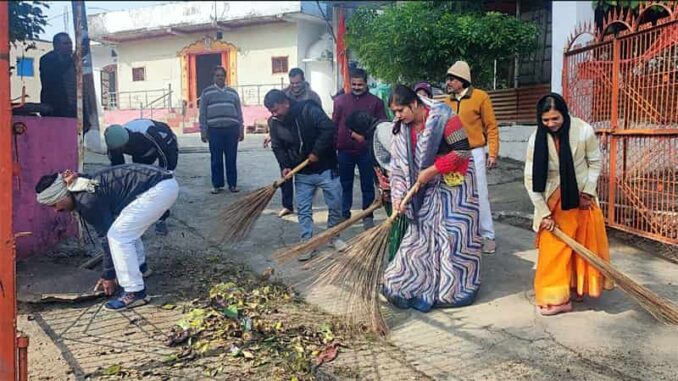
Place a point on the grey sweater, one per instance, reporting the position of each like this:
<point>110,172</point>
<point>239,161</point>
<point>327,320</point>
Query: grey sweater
<point>220,108</point>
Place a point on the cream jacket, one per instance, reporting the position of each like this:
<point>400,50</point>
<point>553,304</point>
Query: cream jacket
<point>587,164</point>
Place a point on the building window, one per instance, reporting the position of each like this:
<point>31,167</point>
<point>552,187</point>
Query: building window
<point>279,65</point>
<point>138,74</point>
<point>24,67</point>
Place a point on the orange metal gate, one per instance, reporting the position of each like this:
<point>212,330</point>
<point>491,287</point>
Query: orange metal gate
<point>626,87</point>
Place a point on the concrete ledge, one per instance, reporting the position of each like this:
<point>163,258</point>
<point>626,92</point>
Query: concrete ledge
<point>513,141</point>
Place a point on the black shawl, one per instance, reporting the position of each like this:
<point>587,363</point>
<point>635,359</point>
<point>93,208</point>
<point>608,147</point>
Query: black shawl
<point>568,179</point>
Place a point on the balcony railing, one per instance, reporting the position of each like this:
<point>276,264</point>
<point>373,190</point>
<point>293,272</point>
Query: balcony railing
<point>136,100</point>
<point>250,95</point>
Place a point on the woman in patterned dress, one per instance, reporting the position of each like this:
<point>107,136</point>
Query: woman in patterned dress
<point>438,262</point>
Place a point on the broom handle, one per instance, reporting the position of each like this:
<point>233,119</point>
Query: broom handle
<point>588,255</point>
<point>608,271</point>
<point>291,174</point>
<point>405,200</point>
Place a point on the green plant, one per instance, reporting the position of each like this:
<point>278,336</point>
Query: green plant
<point>26,20</point>
<point>606,5</point>
<point>603,7</point>
<point>416,41</point>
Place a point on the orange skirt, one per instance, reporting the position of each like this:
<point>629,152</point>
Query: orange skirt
<point>559,270</point>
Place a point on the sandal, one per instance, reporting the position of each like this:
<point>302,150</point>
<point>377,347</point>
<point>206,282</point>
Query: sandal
<point>551,310</point>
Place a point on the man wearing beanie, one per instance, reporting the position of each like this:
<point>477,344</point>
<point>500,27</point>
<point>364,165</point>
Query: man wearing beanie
<point>147,141</point>
<point>474,108</point>
<point>120,202</point>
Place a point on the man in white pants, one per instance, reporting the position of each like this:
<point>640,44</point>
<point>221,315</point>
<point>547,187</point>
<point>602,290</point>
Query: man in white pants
<point>120,202</point>
<point>474,108</point>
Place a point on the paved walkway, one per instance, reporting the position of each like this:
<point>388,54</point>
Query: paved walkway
<point>498,337</point>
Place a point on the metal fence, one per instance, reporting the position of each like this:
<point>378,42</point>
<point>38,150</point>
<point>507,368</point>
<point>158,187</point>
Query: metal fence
<point>627,88</point>
<point>253,95</point>
<point>135,100</point>
<point>250,95</point>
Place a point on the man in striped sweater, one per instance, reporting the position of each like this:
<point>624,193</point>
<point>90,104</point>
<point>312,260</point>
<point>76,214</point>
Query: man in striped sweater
<point>221,124</point>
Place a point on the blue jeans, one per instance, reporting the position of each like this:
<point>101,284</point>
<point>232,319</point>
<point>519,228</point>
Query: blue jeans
<point>347,163</point>
<point>223,143</point>
<point>305,186</point>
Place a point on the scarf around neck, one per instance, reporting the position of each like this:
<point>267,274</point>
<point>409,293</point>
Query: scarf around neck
<point>59,190</point>
<point>540,160</point>
<point>437,117</point>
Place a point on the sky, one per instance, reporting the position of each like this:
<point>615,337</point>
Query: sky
<point>55,13</point>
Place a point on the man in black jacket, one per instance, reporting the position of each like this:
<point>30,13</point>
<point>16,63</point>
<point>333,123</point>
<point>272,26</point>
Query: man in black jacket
<point>57,77</point>
<point>301,130</point>
<point>146,141</point>
<point>120,202</point>
<point>58,82</point>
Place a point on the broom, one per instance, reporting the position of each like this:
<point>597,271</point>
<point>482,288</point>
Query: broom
<point>361,268</point>
<point>287,254</point>
<point>239,217</point>
<point>662,309</point>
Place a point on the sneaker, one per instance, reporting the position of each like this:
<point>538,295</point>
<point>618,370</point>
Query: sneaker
<point>161,228</point>
<point>216,190</point>
<point>284,212</point>
<point>128,300</point>
<point>233,189</point>
<point>489,246</point>
<point>339,244</point>
<point>308,256</point>
<point>368,223</point>
<point>145,270</point>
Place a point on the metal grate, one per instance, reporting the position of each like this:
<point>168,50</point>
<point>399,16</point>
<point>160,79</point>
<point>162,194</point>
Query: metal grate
<point>627,88</point>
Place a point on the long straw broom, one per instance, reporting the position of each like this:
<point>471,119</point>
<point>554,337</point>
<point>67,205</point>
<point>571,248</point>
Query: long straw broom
<point>662,309</point>
<point>239,217</point>
<point>360,268</point>
<point>285,255</point>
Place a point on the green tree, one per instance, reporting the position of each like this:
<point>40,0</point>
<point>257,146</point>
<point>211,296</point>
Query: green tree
<point>606,5</point>
<point>416,41</point>
<point>603,7</point>
<point>26,20</point>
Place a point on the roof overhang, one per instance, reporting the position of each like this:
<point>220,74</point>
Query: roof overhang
<point>178,19</point>
<point>183,30</point>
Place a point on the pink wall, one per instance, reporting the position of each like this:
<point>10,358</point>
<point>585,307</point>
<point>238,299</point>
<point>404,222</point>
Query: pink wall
<point>47,146</point>
<point>176,121</point>
<point>251,114</point>
<point>124,116</point>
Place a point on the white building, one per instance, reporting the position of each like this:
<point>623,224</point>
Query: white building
<point>145,50</point>
<point>26,72</point>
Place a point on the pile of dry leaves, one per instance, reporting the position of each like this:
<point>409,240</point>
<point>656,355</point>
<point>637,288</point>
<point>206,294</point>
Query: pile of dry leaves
<point>247,323</point>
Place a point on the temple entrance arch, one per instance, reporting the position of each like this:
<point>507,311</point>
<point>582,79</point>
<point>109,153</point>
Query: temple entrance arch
<point>197,61</point>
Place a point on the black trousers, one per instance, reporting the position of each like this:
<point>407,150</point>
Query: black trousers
<point>287,190</point>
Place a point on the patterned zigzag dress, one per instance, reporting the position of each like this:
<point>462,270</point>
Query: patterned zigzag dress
<point>438,262</point>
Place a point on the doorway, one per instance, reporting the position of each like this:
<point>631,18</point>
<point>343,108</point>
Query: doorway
<point>197,62</point>
<point>109,87</point>
<point>204,64</point>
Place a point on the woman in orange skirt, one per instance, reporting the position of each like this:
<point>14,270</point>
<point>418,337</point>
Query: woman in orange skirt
<point>561,173</point>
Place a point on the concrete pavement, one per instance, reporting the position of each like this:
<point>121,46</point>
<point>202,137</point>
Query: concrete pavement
<point>501,336</point>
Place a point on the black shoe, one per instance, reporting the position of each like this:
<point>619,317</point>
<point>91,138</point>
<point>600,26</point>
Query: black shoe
<point>161,228</point>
